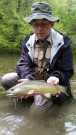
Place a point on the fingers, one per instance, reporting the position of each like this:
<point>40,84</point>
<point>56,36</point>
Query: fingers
<point>24,97</point>
<point>32,93</point>
<point>22,80</point>
<point>53,80</point>
<point>58,93</point>
<point>29,94</point>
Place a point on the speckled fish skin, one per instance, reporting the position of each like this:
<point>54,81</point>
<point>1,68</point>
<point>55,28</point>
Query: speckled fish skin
<point>23,88</point>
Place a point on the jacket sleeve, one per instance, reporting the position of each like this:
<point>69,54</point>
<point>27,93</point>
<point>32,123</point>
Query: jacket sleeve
<point>64,70</point>
<point>25,66</point>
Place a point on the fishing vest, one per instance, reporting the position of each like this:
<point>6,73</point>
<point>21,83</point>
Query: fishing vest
<point>41,60</point>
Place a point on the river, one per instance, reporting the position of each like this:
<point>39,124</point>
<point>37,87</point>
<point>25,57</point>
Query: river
<point>16,120</point>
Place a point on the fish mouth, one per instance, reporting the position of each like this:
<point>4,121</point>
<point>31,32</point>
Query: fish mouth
<point>11,95</point>
<point>9,92</point>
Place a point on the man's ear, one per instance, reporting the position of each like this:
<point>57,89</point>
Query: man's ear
<point>52,24</point>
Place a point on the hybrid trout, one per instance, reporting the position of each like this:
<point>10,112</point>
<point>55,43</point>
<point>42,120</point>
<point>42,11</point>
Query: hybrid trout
<point>41,88</point>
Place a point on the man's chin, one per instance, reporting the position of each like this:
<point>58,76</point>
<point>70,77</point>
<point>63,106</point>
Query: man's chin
<point>41,38</point>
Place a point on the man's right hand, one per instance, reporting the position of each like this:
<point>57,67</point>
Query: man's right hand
<point>29,94</point>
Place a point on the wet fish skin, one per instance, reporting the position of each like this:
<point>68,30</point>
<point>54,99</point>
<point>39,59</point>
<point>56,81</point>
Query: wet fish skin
<point>23,88</point>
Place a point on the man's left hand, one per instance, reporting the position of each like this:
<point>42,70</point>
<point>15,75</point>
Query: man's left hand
<point>53,80</point>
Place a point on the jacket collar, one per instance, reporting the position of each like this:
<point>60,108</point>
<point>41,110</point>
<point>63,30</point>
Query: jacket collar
<point>55,38</point>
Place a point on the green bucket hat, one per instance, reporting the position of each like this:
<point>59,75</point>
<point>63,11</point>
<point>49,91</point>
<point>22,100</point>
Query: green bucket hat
<point>41,10</point>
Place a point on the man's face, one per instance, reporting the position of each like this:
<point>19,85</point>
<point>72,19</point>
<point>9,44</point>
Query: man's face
<point>41,27</point>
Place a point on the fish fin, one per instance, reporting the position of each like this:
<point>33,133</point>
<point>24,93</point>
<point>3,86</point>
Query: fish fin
<point>47,95</point>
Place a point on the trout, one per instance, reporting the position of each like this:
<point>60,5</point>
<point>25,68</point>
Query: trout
<point>41,88</point>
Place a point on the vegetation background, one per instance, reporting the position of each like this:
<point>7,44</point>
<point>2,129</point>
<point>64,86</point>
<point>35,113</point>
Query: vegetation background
<point>13,29</point>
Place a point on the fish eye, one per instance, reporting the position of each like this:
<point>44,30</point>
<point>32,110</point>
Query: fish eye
<point>11,89</point>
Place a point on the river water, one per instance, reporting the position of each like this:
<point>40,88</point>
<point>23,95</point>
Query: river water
<point>16,120</point>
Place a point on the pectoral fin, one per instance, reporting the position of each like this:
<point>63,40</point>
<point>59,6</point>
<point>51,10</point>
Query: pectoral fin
<point>47,95</point>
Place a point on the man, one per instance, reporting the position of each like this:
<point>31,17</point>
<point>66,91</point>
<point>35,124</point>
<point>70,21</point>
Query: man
<point>46,54</point>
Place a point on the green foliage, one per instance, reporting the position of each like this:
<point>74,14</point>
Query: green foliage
<point>13,28</point>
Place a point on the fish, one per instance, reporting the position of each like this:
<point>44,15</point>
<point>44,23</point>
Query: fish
<point>40,88</point>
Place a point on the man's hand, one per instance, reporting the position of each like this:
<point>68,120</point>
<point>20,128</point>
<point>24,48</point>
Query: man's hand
<point>53,80</point>
<point>29,94</point>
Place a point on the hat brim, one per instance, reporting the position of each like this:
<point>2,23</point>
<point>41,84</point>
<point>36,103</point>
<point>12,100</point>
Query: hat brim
<point>40,16</point>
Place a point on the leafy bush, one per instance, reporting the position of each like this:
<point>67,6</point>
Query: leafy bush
<point>13,28</point>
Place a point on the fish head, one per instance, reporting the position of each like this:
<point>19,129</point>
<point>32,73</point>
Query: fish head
<point>13,92</point>
<point>16,90</point>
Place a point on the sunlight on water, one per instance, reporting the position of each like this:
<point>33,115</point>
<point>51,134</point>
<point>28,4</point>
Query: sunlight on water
<point>13,122</point>
<point>70,128</point>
